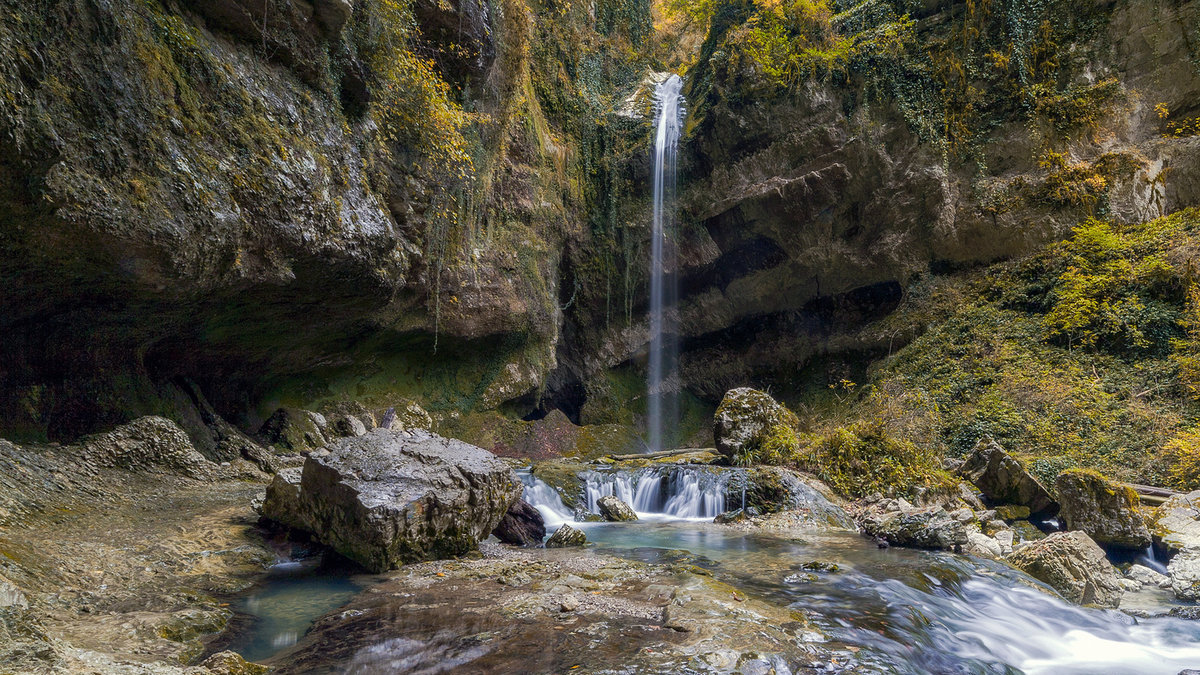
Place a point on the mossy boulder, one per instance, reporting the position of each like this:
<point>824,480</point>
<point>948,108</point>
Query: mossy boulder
<point>566,536</point>
<point>746,420</point>
<point>1072,564</point>
<point>1106,510</point>
<point>772,489</point>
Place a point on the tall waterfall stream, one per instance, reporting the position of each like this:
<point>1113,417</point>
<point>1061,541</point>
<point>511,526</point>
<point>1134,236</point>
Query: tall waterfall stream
<point>662,405</point>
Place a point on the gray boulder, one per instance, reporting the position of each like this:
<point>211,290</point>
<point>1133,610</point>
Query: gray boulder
<point>152,444</point>
<point>1003,480</point>
<point>389,497</point>
<point>1184,572</point>
<point>522,525</point>
<point>1176,523</point>
<point>615,510</point>
<point>566,536</point>
<point>745,418</point>
<point>1106,510</point>
<point>1072,564</point>
<point>929,527</point>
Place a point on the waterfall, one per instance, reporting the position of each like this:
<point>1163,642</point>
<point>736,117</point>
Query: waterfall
<point>673,492</point>
<point>662,376</point>
<point>546,500</point>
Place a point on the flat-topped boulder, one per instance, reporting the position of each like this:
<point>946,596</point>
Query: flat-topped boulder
<point>1003,480</point>
<point>391,497</point>
<point>1106,510</point>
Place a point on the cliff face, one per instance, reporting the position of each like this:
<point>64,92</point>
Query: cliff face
<point>290,202</point>
<point>274,200</point>
<point>832,162</point>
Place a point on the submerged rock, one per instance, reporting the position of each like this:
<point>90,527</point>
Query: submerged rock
<point>615,510</point>
<point>388,497</point>
<point>1107,511</point>
<point>745,419</point>
<point>1074,565</point>
<point>522,525</point>
<point>566,536</point>
<point>1004,480</point>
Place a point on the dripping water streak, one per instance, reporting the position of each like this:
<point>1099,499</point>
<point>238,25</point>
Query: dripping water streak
<point>662,405</point>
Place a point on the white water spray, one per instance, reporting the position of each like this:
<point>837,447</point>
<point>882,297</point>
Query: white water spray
<point>663,387</point>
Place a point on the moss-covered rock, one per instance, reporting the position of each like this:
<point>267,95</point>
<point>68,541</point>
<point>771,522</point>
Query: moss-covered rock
<point>749,422</point>
<point>1109,512</point>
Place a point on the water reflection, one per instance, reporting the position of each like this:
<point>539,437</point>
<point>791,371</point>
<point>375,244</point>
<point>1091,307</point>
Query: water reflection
<point>284,606</point>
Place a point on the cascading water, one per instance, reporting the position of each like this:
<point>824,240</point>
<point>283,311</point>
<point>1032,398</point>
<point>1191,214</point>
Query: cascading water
<point>665,492</point>
<point>546,500</point>
<point>675,492</point>
<point>663,406</point>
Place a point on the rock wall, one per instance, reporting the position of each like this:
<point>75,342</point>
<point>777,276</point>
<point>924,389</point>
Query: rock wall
<point>290,203</point>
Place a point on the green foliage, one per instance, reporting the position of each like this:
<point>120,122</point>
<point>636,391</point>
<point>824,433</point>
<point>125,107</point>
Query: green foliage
<point>1104,296</point>
<point>410,100</point>
<point>1081,355</point>
<point>1182,457</point>
<point>863,458</point>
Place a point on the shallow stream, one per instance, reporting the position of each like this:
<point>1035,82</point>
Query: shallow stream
<point>889,610</point>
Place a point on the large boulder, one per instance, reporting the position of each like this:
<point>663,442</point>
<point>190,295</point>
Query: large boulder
<point>522,525</point>
<point>391,497</point>
<point>1184,573</point>
<point>1003,480</point>
<point>615,510</point>
<point>745,419</point>
<point>1106,510</point>
<point>1072,564</point>
<point>929,527</point>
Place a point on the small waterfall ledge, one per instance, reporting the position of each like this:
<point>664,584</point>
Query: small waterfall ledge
<point>668,492</point>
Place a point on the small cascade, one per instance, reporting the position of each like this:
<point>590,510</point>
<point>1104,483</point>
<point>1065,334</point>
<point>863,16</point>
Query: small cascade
<point>546,500</point>
<point>1148,558</point>
<point>675,492</point>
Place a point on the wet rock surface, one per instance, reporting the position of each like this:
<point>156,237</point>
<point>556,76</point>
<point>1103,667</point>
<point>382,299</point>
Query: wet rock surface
<point>522,525</point>
<point>807,501</point>
<point>566,609</point>
<point>108,570</point>
<point>391,497</point>
<point>1003,480</point>
<point>615,510</point>
<point>1072,564</point>
<point>1107,511</point>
